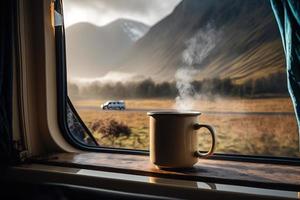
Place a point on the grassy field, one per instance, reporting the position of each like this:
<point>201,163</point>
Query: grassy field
<point>264,134</point>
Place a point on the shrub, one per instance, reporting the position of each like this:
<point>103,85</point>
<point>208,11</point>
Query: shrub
<point>110,128</point>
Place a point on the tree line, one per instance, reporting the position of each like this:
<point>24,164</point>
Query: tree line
<point>272,85</point>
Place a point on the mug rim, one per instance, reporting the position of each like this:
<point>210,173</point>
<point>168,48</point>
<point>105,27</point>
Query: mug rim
<point>174,112</point>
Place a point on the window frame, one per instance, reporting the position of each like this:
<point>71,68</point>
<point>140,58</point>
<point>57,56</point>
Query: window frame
<point>63,100</point>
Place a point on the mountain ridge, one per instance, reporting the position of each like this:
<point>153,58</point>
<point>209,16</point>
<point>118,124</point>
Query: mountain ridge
<point>89,47</point>
<point>250,45</point>
<point>246,43</point>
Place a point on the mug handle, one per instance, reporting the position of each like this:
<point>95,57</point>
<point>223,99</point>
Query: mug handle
<point>197,126</point>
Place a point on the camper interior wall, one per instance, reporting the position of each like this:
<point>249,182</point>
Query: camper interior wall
<point>36,81</point>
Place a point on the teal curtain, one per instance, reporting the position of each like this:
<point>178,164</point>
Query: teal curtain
<point>287,13</point>
<point>6,74</point>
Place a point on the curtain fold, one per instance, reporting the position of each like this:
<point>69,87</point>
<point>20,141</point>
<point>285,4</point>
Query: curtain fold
<point>287,14</point>
<point>6,76</point>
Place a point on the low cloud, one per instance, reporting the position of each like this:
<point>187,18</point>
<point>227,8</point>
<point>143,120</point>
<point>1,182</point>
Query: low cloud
<point>101,12</point>
<point>110,77</point>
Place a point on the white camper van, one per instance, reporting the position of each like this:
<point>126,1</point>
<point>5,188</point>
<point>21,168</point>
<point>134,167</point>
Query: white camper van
<point>113,105</point>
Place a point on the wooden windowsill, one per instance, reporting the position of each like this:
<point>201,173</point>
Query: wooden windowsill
<point>272,176</point>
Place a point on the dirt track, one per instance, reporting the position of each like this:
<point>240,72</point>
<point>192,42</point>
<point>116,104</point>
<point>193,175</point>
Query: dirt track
<point>95,108</point>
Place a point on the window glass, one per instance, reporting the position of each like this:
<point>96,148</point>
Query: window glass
<point>77,129</point>
<point>223,58</point>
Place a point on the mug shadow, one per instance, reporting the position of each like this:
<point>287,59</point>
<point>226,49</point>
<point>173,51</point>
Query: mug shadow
<point>184,169</point>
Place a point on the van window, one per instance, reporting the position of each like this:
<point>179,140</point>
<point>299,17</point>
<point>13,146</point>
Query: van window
<point>222,58</point>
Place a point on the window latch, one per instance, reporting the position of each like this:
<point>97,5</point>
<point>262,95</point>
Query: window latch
<point>56,16</point>
<point>57,19</point>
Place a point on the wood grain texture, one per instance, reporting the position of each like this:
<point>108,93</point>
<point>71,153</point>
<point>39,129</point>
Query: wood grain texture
<point>207,170</point>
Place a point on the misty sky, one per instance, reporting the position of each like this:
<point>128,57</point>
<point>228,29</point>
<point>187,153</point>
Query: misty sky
<point>101,12</point>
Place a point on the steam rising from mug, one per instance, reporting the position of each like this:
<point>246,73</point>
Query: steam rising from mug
<point>197,49</point>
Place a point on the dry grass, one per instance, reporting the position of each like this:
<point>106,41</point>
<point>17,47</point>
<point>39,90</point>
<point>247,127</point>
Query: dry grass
<point>136,121</point>
<point>245,134</point>
<point>264,135</point>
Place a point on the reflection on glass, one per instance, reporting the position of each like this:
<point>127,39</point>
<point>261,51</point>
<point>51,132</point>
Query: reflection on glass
<point>173,182</point>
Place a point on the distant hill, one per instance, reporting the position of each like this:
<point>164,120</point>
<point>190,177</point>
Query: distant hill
<point>93,51</point>
<point>248,45</point>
